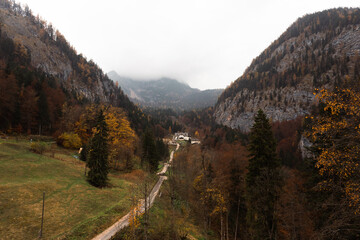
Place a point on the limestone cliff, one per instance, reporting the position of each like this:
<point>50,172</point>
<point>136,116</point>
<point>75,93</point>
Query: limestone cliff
<point>49,52</point>
<point>320,50</point>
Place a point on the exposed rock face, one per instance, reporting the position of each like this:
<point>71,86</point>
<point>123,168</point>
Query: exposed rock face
<point>310,54</point>
<point>238,113</point>
<point>304,146</point>
<point>47,55</point>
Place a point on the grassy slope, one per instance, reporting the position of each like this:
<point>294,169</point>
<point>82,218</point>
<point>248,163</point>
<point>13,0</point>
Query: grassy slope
<point>162,218</point>
<point>73,208</point>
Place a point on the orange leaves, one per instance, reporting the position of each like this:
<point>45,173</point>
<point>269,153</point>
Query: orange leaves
<point>122,138</point>
<point>337,135</point>
<point>120,131</point>
<point>352,190</point>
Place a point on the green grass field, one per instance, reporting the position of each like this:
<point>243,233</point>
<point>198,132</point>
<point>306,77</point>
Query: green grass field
<point>73,208</point>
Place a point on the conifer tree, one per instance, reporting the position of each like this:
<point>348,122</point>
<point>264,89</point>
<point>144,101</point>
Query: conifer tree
<point>150,154</point>
<point>98,154</point>
<point>262,180</point>
<point>44,118</point>
<point>84,153</point>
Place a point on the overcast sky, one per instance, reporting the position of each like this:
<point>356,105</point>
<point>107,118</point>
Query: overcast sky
<point>205,43</point>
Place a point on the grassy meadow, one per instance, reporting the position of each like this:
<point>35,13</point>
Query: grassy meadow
<point>73,208</point>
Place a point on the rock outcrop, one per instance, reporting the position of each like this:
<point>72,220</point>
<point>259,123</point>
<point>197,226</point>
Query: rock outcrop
<point>51,53</point>
<point>318,51</point>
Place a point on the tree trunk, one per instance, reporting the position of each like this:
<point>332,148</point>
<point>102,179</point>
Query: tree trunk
<point>146,211</point>
<point>227,225</point>
<point>221,227</point>
<point>237,218</point>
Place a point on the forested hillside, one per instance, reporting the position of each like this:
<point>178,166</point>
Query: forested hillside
<point>276,158</point>
<point>319,50</point>
<point>40,72</point>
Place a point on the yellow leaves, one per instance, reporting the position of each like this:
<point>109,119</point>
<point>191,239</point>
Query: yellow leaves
<point>219,200</point>
<point>120,131</point>
<point>134,216</point>
<point>69,140</point>
<point>122,139</point>
<point>197,183</point>
<point>338,137</point>
<point>210,196</point>
<point>352,190</point>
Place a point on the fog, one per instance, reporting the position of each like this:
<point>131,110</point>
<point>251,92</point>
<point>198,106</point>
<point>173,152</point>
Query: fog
<point>205,43</point>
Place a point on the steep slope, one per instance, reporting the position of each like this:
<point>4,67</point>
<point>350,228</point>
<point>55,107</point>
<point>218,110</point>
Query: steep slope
<point>50,52</point>
<point>46,72</point>
<point>320,50</point>
<point>166,93</point>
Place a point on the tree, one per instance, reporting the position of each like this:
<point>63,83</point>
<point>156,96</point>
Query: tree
<point>150,154</point>
<point>84,153</point>
<point>28,108</point>
<point>122,138</point>
<point>262,179</point>
<point>44,118</point>
<point>98,153</point>
<point>336,149</point>
<point>162,149</point>
<point>8,98</point>
<point>337,144</point>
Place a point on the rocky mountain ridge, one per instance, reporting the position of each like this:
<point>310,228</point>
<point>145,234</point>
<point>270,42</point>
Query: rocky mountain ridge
<point>320,50</point>
<point>43,74</point>
<point>165,93</point>
<point>49,52</point>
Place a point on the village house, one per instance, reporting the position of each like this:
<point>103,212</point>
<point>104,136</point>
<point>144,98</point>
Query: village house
<point>181,136</point>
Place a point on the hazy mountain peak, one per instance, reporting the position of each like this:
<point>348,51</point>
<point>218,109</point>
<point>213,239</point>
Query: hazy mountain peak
<point>165,93</point>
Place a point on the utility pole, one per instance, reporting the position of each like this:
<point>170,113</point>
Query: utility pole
<point>146,209</point>
<point>42,217</point>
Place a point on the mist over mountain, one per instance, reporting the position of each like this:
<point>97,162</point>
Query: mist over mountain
<point>165,93</point>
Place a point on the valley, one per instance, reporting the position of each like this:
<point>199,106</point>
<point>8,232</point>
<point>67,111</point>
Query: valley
<point>275,155</point>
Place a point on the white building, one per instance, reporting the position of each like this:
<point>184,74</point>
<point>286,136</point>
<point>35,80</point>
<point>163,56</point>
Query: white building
<point>181,136</point>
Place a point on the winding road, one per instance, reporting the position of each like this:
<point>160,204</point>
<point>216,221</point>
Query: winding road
<point>124,221</point>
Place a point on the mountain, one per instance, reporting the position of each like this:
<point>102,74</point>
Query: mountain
<point>165,93</point>
<point>319,50</point>
<point>41,71</point>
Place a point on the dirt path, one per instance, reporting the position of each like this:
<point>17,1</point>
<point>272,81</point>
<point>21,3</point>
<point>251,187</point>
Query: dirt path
<point>124,221</point>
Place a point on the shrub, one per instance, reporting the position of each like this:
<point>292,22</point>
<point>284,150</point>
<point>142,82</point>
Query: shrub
<point>69,140</point>
<point>38,147</point>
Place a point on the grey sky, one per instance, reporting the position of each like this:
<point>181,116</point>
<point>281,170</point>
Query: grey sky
<point>206,43</point>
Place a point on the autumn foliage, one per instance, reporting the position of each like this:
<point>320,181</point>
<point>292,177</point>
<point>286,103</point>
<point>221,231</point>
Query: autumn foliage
<point>336,134</point>
<point>69,140</point>
<point>121,138</point>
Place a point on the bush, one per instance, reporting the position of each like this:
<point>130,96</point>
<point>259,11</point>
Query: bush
<point>38,147</point>
<point>69,140</point>
<point>40,138</point>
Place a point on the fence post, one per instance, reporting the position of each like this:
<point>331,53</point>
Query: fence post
<point>42,217</point>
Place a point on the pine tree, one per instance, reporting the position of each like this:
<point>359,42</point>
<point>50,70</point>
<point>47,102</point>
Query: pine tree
<point>150,154</point>
<point>84,153</point>
<point>98,154</point>
<point>44,118</point>
<point>262,180</point>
